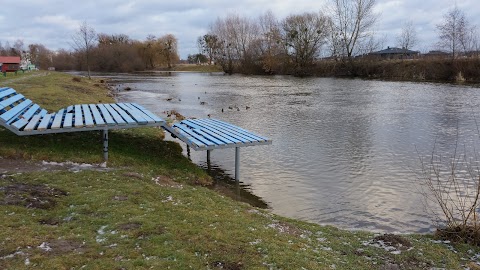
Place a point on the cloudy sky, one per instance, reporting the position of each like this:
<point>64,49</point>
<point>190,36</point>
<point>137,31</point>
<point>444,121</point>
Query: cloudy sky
<point>53,22</point>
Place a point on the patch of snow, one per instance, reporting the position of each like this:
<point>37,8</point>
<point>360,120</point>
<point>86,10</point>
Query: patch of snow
<point>27,261</point>
<point>101,231</point>
<point>9,256</point>
<point>45,246</point>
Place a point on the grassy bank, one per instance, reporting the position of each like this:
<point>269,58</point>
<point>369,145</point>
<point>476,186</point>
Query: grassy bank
<point>150,211</point>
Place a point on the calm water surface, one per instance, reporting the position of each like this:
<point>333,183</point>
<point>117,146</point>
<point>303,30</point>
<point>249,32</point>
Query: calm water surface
<point>344,151</point>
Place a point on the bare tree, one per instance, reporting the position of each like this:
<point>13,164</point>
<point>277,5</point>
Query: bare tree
<point>304,36</point>
<point>453,32</point>
<point>269,45</point>
<point>84,41</point>
<point>236,36</point>
<point>209,44</point>
<point>407,39</point>
<point>352,21</point>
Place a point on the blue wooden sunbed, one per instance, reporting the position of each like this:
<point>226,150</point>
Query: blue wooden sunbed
<point>209,134</point>
<point>23,117</point>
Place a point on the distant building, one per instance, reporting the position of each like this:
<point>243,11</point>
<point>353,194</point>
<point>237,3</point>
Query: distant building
<point>9,63</point>
<point>394,53</point>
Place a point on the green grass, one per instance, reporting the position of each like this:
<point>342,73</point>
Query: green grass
<point>149,211</point>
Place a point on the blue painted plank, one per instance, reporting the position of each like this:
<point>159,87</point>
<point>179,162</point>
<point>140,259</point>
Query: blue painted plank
<point>45,122</point>
<point>70,109</point>
<point>78,117</point>
<point>233,133</point>
<point>32,124</point>
<point>191,139</point>
<point>145,116</point>
<point>97,117</point>
<point>147,112</point>
<point>19,124</point>
<point>57,121</point>
<point>235,129</point>
<point>211,132</point>
<point>115,115</point>
<point>134,113</point>
<point>15,111</point>
<point>124,115</point>
<point>106,115</point>
<point>87,115</point>
<point>243,130</point>
<point>30,112</point>
<point>7,92</point>
<point>219,132</point>
<point>4,88</point>
<point>194,135</point>
<point>43,112</point>
<point>10,101</point>
<point>67,122</point>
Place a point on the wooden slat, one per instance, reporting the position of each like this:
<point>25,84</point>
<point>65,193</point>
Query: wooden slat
<point>87,115</point>
<point>19,124</point>
<point>134,113</point>
<point>30,112</point>
<point>147,117</point>
<point>78,116</point>
<point>10,101</point>
<point>32,123</point>
<point>231,133</point>
<point>147,112</point>
<point>122,113</point>
<point>106,115</point>
<point>43,112</point>
<point>15,111</point>
<point>45,122</point>
<point>57,120</point>
<point>70,109</point>
<point>219,131</point>
<point>195,135</point>
<point>213,131</point>
<point>208,133</point>
<point>5,93</point>
<point>115,115</point>
<point>190,138</point>
<point>67,122</point>
<point>97,117</point>
<point>235,130</point>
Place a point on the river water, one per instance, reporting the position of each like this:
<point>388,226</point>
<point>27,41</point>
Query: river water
<point>345,152</point>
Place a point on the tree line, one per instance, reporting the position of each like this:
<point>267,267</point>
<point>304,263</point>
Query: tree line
<point>343,32</point>
<point>100,52</point>
<point>333,38</point>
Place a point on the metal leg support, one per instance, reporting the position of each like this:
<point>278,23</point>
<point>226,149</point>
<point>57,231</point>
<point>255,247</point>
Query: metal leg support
<point>105,144</point>
<point>208,160</point>
<point>237,164</point>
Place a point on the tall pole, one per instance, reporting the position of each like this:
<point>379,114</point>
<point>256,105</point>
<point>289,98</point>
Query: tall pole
<point>237,164</point>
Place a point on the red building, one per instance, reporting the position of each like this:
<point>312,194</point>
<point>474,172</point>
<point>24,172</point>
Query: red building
<point>9,63</point>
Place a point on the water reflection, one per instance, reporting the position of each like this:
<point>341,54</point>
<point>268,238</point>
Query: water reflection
<point>344,151</point>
